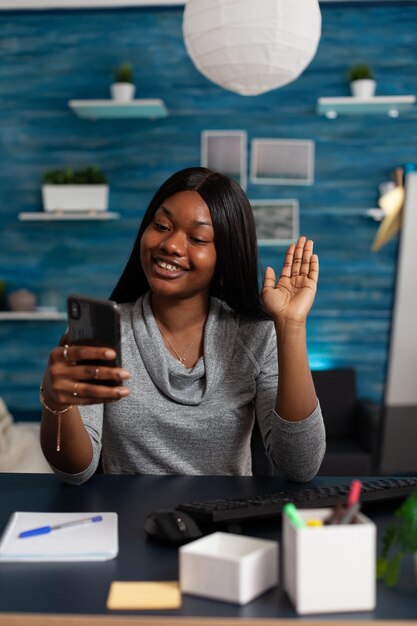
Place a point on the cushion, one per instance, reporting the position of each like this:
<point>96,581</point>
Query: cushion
<point>20,450</point>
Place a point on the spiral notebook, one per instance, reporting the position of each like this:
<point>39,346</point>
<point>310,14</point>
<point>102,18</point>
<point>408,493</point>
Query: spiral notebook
<point>30,537</point>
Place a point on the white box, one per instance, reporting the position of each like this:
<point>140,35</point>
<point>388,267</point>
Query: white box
<point>75,197</point>
<point>228,567</point>
<point>331,568</point>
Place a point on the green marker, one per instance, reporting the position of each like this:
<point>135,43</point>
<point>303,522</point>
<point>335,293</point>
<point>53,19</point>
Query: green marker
<point>293,515</point>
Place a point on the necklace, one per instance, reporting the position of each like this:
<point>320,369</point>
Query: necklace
<point>181,358</point>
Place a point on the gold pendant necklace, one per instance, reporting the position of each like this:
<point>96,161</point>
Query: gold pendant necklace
<point>180,358</point>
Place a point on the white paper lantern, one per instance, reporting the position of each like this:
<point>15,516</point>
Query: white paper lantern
<point>251,46</point>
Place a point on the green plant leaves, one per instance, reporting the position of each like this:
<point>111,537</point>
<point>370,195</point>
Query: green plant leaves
<point>87,176</point>
<point>361,71</point>
<point>399,539</point>
<point>389,569</point>
<point>408,528</point>
<point>123,74</point>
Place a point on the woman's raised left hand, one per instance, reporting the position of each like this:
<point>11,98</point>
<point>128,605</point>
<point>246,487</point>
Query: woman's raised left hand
<point>291,298</point>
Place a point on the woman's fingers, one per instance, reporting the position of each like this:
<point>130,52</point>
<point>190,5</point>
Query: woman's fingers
<point>299,261</point>
<point>77,392</point>
<point>314,268</point>
<point>72,354</point>
<point>288,262</point>
<point>298,256</point>
<point>74,372</point>
<point>92,372</point>
<point>269,278</point>
<point>306,258</point>
<point>73,382</point>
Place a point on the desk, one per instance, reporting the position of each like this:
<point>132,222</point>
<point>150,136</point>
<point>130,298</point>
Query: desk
<point>74,589</point>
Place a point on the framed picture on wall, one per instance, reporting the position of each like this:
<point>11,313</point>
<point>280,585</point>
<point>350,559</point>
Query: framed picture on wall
<point>282,162</point>
<point>277,221</point>
<point>225,151</point>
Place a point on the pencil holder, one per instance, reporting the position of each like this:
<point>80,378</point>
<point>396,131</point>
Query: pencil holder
<point>329,568</point>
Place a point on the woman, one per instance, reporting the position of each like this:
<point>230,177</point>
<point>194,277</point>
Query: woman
<point>201,351</point>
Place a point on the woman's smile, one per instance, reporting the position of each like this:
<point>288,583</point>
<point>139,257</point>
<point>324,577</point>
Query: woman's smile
<point>167,268</point>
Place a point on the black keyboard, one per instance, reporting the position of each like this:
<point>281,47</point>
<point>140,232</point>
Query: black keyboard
<point>270,504</point>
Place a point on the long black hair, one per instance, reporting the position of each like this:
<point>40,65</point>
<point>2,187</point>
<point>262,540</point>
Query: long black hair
<point>235,278</point>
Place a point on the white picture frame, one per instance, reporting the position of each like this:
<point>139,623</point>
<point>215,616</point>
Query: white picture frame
<point>282,161</point>
<point>277,221</point>
<point>225,151</point>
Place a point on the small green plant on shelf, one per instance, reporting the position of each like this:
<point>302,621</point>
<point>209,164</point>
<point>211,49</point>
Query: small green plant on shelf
<point>87,176</point>
<point>361,71</point>
<point>399,540</point>
<point>123,73</point>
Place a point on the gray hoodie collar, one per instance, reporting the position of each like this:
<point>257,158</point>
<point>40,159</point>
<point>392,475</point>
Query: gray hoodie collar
<point>186,386</point>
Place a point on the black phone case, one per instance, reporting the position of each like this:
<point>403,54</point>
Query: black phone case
<point>93,322</point>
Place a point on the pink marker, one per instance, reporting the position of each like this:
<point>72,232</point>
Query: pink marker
<point>354,493</point>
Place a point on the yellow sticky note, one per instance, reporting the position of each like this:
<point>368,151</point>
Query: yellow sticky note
<point>144,595</point>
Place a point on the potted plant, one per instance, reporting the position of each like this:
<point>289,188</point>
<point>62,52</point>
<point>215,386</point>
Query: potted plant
<point>399,540</point>
<point>123,88</point>
<point>80,190</point>
<point>362,83</point>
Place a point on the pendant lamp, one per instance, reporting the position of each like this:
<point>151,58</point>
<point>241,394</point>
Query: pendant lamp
<point>251,46</point>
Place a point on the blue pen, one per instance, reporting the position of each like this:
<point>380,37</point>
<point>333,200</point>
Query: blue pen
<point>44,530</point>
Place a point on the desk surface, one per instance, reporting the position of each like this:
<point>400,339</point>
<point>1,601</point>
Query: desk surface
<point>61,589</point>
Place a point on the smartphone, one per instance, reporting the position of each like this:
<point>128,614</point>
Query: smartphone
<point>93,322</point>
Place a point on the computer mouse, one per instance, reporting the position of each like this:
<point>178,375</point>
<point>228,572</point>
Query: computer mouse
<point>171,527</point>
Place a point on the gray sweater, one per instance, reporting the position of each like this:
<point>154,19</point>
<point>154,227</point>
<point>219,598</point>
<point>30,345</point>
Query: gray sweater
<point>199,420</point>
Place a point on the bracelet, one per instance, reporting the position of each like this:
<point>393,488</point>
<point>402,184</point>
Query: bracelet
<point>48,408</point>
<point>58,413</point>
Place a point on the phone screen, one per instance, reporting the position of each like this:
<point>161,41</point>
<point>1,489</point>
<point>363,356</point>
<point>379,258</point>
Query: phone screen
<point>93,322</point>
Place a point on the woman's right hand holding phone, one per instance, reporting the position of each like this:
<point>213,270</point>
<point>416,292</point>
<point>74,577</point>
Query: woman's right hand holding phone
<point>69,382</point>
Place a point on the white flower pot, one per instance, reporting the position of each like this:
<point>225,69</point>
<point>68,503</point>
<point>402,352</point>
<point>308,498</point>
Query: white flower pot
<point>122,92</point>
<point>364,88</point>
<point>75,197</point>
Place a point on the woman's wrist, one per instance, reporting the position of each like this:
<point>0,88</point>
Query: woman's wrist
<point>58,413</point>
<point>290,327</point>
<point>51,405</point>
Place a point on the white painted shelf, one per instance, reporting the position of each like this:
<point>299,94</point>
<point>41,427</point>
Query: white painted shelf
<point>27,316</point>
<point>389,105</point>
<point>111,109</point>
<point>44,216</point>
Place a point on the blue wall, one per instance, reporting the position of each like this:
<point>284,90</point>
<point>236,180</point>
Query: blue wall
<point>48,58</point>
